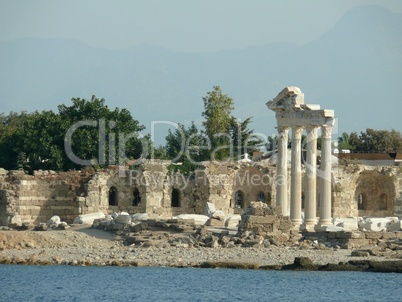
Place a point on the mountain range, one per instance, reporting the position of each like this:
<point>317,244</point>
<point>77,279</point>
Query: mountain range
<point>355,68</point>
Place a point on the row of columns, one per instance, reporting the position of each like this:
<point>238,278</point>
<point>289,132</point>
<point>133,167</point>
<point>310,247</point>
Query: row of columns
<point>324,173</point>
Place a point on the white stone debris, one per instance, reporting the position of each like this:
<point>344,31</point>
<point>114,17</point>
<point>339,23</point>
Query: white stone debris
<point>139,216</point>
<point>54,221</point>
<point>347,223</point>
<point>198,219</point>
<point>377,224</point>
<point>332,228</point>
<point>88,218</point>
<point>209,209</point>
<point>123,218</point>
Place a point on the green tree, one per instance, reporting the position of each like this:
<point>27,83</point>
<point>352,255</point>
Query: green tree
<point>380,141</point>
<point>9,124</point>
<point>185,146</point>
<point>243,139</point>
<point>110,136</point>
<point>376,141</point>
<point>86,129</point>
<point>218,121</point>
<point>343,141</point>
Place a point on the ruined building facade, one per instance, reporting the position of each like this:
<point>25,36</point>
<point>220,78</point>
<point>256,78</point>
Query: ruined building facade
<point>149,187</point>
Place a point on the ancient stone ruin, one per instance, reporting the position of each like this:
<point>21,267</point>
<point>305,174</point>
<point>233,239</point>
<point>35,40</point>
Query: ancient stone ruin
<point>291,112</point>
<point>344,192</point>
<point>262,220</point>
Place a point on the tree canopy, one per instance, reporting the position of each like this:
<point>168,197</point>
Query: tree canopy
<point>223,137</point>
<point>86,132</point>
<point>382,141</point>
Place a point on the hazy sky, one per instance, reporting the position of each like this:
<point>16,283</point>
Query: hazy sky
<point>180,25</point>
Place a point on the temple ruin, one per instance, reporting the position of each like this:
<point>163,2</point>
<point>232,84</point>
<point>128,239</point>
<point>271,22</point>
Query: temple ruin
<point>292,113</point>
<point>348,189</point>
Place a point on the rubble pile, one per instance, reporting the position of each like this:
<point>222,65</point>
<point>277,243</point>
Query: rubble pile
<point>376,224</point>
<point>262,220</point>
<point>54,223</point>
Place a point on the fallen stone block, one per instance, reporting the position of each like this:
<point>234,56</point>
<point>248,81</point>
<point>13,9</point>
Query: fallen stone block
<point>209,208</point>
<point>377,224</point>
<point>198,219</point>
<point>232,221</point>
<point>123,219</point>
<point>139,216</point>
<point>215,222</point>
<point>218,215</point>
<point>88,218</point>
<point>332,228</point>
<point>347,223</point>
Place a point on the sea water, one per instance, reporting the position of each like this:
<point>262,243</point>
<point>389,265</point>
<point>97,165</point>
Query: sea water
<point>74,283</point>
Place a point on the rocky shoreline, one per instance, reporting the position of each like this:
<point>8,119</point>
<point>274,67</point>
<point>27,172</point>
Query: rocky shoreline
<point>86,246</point>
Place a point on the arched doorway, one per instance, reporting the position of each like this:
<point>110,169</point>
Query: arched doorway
<point>113,196</point>
<point>136,197</point>
<point>239,199</point>
<point>175,198</point>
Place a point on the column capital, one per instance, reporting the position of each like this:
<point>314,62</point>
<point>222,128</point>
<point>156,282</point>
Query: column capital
<point>282,129</point>
<point>283,132</point>
<point>297,132</point>
<point>326,131</point>
<point>312,129</point>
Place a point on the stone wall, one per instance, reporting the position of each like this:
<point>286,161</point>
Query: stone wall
<point>150,187</point>
<point>377,189</point>
<point>36,198</point>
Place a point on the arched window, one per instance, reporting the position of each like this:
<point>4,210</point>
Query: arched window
<point>362,201</point>
<point>383,206</point>
<point>175,198</point>
<point>137,197</point>
<point>239,199</point>
<point>113,196</point>
<point>261,196</point>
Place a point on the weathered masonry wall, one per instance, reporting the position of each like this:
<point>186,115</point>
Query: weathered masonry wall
<point>34,199</point>
<point>360,190</point>
<point>357,190</point>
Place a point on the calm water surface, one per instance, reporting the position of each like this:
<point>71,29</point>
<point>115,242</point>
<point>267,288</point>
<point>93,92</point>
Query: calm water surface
<point>70,283</point>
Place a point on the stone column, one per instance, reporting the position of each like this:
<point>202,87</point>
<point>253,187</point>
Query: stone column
<point>282,170</point>
<point>310,192</point>
<point>295,189</point>
<point>325,177</point>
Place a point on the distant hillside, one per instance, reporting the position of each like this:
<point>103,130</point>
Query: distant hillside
<point>355,68</point>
